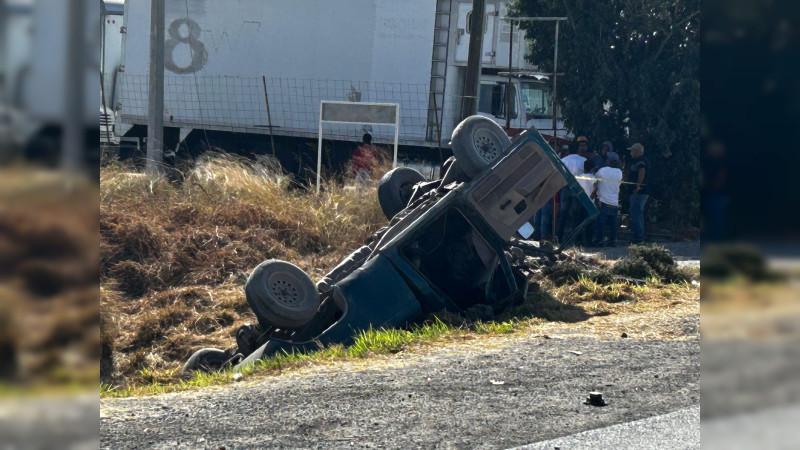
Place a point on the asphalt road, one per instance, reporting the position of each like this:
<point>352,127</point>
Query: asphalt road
<point>527,390</point>
<point>676,430</point>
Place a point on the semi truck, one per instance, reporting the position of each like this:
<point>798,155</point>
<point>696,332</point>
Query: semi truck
<point>238,71</point>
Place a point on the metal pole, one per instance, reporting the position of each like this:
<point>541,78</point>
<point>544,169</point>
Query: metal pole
<point>397,133</point>
<point>269,117</point>
<point>555,87</point>
<point>72,141</point>
<point>510,69</point>
<point>319,148</point>
<point>469,105</point>
<point>103,19</point>
<point>155,105</point>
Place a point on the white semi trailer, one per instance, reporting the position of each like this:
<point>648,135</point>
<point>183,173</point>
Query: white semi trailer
<point>255,67</point>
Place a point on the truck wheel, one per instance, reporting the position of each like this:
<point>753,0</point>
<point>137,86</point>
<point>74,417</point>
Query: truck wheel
<point>395,189</point>
<point>205,360</point>
<point>477,142</point>
<point>281,295</point>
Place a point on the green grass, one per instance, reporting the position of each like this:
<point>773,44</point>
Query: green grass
<point>367,343</point>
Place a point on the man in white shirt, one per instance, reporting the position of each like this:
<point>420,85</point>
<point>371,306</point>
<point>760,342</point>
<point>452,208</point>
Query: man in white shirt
<point>607,191</point>
<point>587,181</point>
<point>567,215</point>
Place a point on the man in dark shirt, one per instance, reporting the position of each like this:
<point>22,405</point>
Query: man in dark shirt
<point>639,195</point>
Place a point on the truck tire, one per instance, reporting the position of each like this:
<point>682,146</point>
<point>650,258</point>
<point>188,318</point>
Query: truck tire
<point>395,189</point>
<point>205,360</point>
<point>281,295</point>
<point>477,142</point>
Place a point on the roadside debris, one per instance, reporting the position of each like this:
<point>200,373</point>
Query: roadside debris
<point>595,399</point>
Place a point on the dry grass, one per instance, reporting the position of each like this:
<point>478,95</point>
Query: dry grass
<point>175,255</point>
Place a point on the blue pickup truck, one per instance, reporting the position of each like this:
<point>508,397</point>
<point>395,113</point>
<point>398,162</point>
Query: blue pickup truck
<point>445,248</point>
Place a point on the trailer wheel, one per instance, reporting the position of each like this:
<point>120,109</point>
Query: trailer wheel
<point>395,189</point>
<point>281,295</point>
<point>477,142</point>
<point>205,360</point>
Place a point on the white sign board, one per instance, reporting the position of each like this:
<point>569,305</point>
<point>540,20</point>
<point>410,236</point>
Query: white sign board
<point>360,113</point>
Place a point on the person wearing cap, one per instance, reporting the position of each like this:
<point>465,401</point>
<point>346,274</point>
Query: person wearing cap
<point>609,178</point>
<point>639,195</point>
<point>583,146</point>
<point>600,158</point>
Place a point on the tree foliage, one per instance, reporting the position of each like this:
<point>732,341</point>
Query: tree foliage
<point>630,74</point>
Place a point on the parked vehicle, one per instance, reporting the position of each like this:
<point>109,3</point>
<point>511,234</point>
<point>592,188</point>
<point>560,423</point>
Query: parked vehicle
<point>413,53</point>
<point>445,248</point>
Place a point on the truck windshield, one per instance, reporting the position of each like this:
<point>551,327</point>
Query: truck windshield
<point>538,100</point>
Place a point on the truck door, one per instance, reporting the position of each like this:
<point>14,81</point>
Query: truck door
<point>464,31</point>
<point>492,102</point>
<point>518,185</point>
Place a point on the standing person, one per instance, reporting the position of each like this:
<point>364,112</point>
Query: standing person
<point>638,198</point>
<point>566,219</point>
<point>587,182</point>
<point>600,159</point>
<point>583,146</point>
<point>543,222</point>
<point>365,159</point>
<point>607,191</point>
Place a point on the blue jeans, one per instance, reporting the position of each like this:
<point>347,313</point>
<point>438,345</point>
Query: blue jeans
<point>543,221</point>
<point>637,216</point>
<point>568,214</point>
<point>608,216</point>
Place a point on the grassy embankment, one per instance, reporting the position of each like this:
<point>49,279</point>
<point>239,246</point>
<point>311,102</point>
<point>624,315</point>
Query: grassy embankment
<point>175,256</point>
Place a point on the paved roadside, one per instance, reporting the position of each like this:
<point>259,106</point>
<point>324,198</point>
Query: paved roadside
<point>527,390</point>
<point>673,431</point>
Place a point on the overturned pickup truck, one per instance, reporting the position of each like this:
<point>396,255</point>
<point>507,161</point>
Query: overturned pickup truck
<point>445,248</point>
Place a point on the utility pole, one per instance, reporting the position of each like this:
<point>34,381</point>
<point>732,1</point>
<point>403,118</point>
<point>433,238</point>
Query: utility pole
<point>72,138</point>
<point>155,105</point>
<point>469,105</point>
<point>510,69</point>
<point>555,88</point>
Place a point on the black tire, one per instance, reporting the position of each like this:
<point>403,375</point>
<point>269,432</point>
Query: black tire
<point>281,295</point>
<point>477,142</point>
<point>205,360</point>
<point>395,189</point>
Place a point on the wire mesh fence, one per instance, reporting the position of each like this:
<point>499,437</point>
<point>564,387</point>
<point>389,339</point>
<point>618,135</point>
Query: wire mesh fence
<point>239,104</point>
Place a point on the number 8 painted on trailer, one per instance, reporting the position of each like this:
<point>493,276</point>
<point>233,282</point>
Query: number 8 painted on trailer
<point>198,49</point>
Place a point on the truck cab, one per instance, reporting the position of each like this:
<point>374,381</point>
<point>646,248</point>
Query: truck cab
<point>531,105</point>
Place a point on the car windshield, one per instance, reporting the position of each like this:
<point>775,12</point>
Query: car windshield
<point>538,100</point>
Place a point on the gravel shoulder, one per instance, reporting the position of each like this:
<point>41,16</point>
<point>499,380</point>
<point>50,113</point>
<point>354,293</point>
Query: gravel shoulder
<point>517,391</point>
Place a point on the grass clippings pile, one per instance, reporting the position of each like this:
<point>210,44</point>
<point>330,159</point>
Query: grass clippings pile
<point>175,255</point>
<point>646,263</point>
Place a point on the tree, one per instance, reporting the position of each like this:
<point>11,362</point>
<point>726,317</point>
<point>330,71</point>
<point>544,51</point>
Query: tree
<point>630,74</point>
